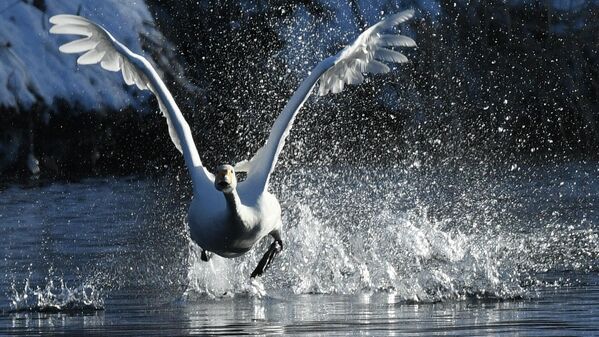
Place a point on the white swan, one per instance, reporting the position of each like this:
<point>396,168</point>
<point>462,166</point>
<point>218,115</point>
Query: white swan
<point>225,217</point>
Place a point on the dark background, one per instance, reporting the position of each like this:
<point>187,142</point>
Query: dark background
<point>490,81</point>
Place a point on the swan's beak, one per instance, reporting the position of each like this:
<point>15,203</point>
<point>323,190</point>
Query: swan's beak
<point>222,185</point>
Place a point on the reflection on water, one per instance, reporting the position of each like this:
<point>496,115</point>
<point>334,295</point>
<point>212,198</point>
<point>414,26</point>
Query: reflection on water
<point>553,312</point>
<point>421,252</point>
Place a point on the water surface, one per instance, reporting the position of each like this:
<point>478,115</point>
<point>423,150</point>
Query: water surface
<point>407,251</point>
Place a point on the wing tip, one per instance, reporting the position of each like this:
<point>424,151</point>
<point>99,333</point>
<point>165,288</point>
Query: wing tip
<point>400,17</point>
<point>68,24</point>
<point>61,18</point>
<point>69,19</point>
<point>407,14</point>
<point>56,19</point>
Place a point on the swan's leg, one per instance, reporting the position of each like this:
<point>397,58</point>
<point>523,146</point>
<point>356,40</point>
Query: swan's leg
<point>274,249</point>
<point>206,255</point>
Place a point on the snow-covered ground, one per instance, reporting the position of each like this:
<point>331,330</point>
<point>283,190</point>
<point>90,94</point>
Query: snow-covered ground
<point>34,74</point>
<point>31,67</point>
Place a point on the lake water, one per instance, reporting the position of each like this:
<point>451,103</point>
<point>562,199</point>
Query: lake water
<point>470,251</point>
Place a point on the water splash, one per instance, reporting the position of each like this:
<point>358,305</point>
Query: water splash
<point>220,277</point>
<point>55,298</point>
<point>414,259</point>
<point>417,237</point>
<point>352,237</point>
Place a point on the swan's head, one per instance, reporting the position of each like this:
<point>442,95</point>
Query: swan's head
<point>225,180</point>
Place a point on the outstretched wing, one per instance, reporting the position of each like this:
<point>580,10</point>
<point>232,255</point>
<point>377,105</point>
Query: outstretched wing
<point>365,55</point>
<point>99,46</point>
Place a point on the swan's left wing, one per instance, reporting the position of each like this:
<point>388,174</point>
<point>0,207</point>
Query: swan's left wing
<point>99,46</point>
<point>365,55</point>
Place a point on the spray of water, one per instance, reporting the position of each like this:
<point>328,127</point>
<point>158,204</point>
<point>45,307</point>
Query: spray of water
<point>55,298</point>
<point>418,234</point>
<point>349,231</point>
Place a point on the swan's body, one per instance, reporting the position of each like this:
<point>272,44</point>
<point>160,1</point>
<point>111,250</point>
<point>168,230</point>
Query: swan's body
<point>225,217</point>
<point>231,225</point>
<point>215,228</point>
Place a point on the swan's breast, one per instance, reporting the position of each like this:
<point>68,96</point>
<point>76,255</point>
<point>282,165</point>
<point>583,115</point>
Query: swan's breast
<point>216,228</point>
<point>270,211</point>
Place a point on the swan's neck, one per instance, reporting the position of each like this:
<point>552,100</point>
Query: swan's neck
<point>233,203</point>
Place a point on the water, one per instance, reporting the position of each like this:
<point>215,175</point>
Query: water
<point>405,250</point>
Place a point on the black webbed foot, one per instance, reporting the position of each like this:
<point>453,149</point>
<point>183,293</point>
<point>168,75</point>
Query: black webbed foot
<point>274,249</point>
<point>206,255</point>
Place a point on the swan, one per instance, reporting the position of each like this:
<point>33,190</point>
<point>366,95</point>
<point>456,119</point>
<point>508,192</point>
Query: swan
<point>227,217</point>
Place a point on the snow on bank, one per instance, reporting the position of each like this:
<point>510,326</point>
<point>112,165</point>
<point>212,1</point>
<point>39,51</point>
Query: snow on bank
<point>32,69</point>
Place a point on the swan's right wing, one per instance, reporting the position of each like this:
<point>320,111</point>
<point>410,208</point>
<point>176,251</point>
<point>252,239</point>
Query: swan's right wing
<point>365,55</point>
<point>99,46</point>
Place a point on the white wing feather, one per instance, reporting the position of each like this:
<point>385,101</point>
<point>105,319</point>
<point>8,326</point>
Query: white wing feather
<point>365,53</point>
<point>347,67</point>
<point>99,46</point>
